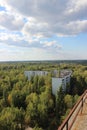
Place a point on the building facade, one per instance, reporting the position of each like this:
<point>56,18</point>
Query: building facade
<point>29,74</point>
<point>61,81</point>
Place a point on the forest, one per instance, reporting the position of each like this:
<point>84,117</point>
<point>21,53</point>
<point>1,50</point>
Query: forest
<point>25,103</point>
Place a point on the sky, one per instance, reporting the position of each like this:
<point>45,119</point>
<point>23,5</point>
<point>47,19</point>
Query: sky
<point>43,30</point>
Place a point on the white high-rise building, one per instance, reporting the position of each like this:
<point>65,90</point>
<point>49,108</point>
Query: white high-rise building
<point>61,81</point>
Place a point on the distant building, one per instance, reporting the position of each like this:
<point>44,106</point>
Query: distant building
<point>34,73</point>
<point>60,78</point>
<point>61,81</point>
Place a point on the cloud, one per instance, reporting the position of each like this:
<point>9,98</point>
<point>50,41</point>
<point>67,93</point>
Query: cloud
<point>37,29</point>
<point>36,25</point>
<point>51,45</point>
<point>77,8</point>
<point>42,10</point>
<point>16,40</point>
<point>51,18</point>
<point>44,19</point>
<point>11,22</point>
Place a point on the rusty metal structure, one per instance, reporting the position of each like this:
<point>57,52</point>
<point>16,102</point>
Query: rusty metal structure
<point>69,121</point>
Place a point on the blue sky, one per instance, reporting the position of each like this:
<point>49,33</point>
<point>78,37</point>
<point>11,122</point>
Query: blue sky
<point>43,30</point>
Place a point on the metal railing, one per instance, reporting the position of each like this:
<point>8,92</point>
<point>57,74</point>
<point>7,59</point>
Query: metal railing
<point>69,121</point>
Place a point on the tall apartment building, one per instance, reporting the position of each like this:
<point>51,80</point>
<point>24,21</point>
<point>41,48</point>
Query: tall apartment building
<point>61,81</point>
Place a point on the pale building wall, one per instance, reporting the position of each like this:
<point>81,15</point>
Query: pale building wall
<point>34,73</point>
<point>56,83</point>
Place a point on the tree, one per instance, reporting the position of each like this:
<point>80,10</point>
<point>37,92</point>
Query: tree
<point>11,119</point>
<point>31,116</point>
<point>60,104</point>
<point>17,99</point>
<point>68,101</point>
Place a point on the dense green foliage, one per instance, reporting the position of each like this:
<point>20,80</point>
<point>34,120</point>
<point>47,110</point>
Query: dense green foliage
<point>26,103</point>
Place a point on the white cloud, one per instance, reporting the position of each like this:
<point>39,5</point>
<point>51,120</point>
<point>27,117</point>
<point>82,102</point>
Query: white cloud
<point>36,29</point>
<point>48,44</point>
<point>45,18</point>
<point>11,22</point>
<point>18,41</point>
<point>33,23</point>
<point>51,45</point>
<point>77,5</point>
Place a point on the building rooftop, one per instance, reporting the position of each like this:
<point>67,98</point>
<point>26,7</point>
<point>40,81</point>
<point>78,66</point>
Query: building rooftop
<point>61,73</point>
